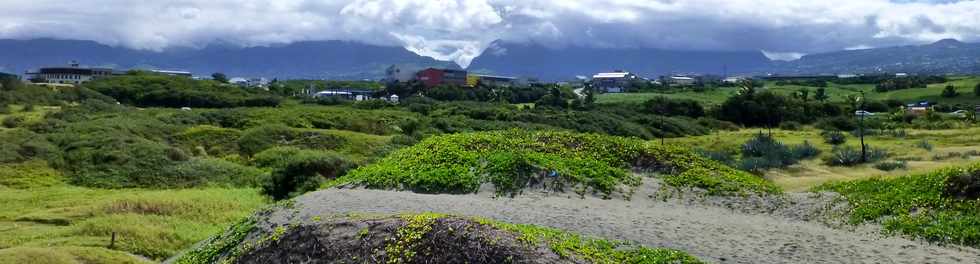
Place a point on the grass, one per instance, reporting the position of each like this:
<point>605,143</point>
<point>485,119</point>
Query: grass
<point>708,98</point>
<point>811,173</point>
<point>79,222</point>
<point>67,255</point>
<point>915,205</point>
<point>836,92</point>
<point>511,160</point>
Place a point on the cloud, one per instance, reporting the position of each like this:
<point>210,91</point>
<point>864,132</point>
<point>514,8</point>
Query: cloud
<point>459,30</point>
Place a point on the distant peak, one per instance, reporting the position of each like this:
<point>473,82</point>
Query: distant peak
<point>947,42</point>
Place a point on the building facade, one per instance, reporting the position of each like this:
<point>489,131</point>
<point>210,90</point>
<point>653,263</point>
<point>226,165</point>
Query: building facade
<point>433,77</point>
<point>72,74</point>
<point>501,81</point>
<point>613,82</point>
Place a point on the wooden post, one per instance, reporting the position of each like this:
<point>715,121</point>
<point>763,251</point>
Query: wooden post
<point>112,243</point>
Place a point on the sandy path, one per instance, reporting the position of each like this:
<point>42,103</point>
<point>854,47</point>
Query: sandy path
<point>711,233</point>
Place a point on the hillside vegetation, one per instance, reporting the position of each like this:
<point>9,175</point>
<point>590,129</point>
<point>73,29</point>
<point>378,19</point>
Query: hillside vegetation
<point>513,160</point>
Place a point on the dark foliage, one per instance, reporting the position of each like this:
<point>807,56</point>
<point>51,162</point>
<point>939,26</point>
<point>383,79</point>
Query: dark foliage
<point>663,106</point>
<point>305,172</point>
<point>169,91</point>
<point>965,186</point>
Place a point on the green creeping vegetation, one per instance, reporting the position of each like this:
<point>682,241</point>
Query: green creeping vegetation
<point>920,206</point>
<point>228,242</point>
<point>511,160</point>
<point>591,249</point>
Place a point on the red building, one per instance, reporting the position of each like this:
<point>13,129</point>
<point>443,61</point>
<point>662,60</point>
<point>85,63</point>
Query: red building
<point>433,77</point>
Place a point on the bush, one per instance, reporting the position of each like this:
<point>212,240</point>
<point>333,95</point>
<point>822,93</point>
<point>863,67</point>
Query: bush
<point>976,90</point>
<point>850,156</point>
<point>261,138</point>
<point>28,108</point>
<point>211,172</point>
<point>839,123</point>
<point>924,144</point>
<point>963,186</point>
<point>513,160</point>
<point>5,109</point>
<point>305,172</point>
<point>790,125</point>
<point>214,141</point>
<point>950,92</point>
<point>891,165</point>
<point>835,138</point>
<point>805,151</point>
<point>13,121</point>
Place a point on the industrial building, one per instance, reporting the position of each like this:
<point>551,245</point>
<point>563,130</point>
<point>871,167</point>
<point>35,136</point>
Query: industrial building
<point>71,74</point>
<point>502,81</point>
<point>433,77</point>
<point>613,82</point>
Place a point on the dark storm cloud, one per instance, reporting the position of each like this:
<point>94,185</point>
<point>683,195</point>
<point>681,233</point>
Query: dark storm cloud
<point>460,30</point>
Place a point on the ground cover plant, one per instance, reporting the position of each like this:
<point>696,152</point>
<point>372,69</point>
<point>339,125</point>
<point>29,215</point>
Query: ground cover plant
<point>512,160</point>
<point>411,238</point>
<point>941,206</point>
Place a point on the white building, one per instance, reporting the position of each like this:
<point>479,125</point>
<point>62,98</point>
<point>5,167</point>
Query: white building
<point>172,73</point>
<point>734,79</point>
<point>72,74</point>
<point>261,83</point>
<point>613,82</point>
<point>682,80</point>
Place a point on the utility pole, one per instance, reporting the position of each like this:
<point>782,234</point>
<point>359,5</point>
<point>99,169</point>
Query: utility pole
<point>864,150</point>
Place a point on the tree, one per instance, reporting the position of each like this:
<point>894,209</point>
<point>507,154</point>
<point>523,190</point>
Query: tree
<point>220,77</point>
<point>821,95</point>
<point>976,90</point>
<point>950,92</point>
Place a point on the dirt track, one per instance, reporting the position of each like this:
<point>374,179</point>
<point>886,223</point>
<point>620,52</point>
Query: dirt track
<point>712,233</point>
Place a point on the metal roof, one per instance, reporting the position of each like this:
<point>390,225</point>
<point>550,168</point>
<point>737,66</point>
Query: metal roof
<point>610,75</point>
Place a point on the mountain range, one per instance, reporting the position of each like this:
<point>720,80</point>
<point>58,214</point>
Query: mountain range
<point>351,60</point>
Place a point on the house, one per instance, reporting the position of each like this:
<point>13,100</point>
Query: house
<point>433,77</point>
<point>613,82</point>
<point>71,74</point>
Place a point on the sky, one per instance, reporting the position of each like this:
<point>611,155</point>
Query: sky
<point>460,30</point>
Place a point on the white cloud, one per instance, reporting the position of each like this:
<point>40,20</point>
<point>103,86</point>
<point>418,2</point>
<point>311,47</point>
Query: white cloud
<point>459,30</point>
<point>782,56</point>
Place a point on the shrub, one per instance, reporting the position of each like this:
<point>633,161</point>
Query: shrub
<point>976,90</point>
<point>720,156</point>
<point>950,92</point>
<point>212,172</point>
<point>839,123</point>
<point>790,125</point>
<point>13,121</point>
<point>891,165</point>
<point>260,138</point>
<point>513,160</point>
<point>805,151</point>
<point>215,141</point>
<point>850,156</point>
<point>963,186</point>
<point>835,138</point>
<point>924,144</point>
<point>5,109</point>
<point>305,172</point>
<point>111,161</point>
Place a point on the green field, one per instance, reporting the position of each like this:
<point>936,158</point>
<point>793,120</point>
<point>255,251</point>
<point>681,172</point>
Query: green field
<point>836,92</point>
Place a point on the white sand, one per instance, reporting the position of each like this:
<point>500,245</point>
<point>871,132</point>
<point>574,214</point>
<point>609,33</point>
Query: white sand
<point>714,234</point>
